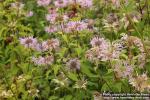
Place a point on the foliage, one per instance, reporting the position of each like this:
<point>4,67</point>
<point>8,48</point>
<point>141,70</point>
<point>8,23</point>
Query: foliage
<point>73,49</point>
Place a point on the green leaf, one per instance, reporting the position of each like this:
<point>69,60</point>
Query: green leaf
<point>105,88</point>
<point>117,87</point>
<point>79,51</point>
<point>56,69</point>
<point>68,97</point>
<point>109,76</point>
<point>85,68</point>
<point>73,76</point>
<point>65,38</point>
<point>53,98</point>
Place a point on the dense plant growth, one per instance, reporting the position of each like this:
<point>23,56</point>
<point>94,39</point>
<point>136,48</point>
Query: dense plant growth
<point>73,49</point>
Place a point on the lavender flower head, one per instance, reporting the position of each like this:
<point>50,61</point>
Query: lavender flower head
<point>61,3</point>
<point>100,50</point>
<point>75,26</point>
<point>38,61</point>
<point>48,45</point>
<point>30,13</point>
<point>128,69</point>
<point>140,82</point>
<point>99,42</point>
<point>48,60</point>
<point>43,2</point>
<point>73,64</point>
<point>104,50</point>
<point>52,10</point>
<point>51,17</point>
<point>93,54</point>
<point>51,29</point>
<point>53,43</point>
<point>28,42</point>
<point>123,68</point>
<point>85,3</point>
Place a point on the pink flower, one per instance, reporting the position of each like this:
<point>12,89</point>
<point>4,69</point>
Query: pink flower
<point>123,68</point>
<point>116,3</point>
<point>100,42</point>
<point>51,29</point>
<point>29,42</point>
<point>100,50</point>
<point>93,54</point>
<point>74,26</point>
<point>51,17</point>
<point>117,48</point>
<point>73,64</point>
<point>53,43</point>
<point>30,13</point>
<point>85,3</point>
<point>128,69</point>
<point>48,60</point>
<point>61,3</point>
<point>48,45</point>
<point>103,50</point>
<point>39,47</point>
<point>43,2</point>
<point>52,10</point>
<point>38,61</point>
<point>65,18</point>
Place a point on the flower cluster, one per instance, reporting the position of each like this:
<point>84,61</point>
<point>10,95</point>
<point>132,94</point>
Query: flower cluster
<point>73,49</point>
<point>75,26</point>
<point>112,23</point>
<point>43,2</point>
<point>85,3</point>
<point>135,41</point>
<point>30,42</point>
<point>49,45</point>
<point>70,27</point>
<point>73,64</point>
<point>65,3</point>
<point>140,82</point>
<point>123,68</point>
<point>48,60</point>
<point>103,50</point>
<point>61,21</point>
<point>122,65</point>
